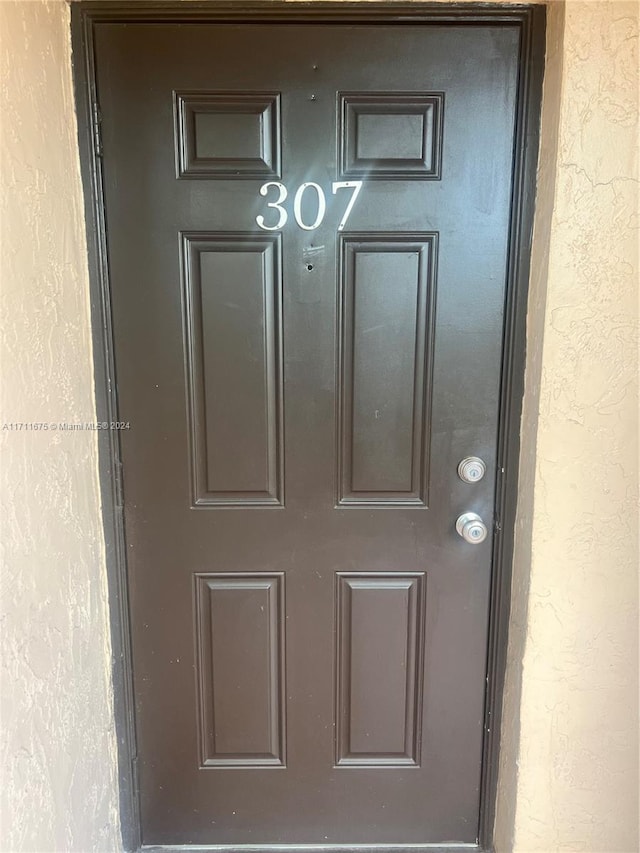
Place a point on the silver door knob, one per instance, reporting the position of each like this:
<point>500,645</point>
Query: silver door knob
<point>472,469</point>
<point>472,528</point>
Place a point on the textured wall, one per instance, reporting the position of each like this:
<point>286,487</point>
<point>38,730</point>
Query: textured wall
<point>58,751</point>
<point>574,636</point>
<point>545,198</point>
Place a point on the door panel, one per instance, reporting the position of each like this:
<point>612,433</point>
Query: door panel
<point>233,298</point>
<point>387,295</point>
<point>309,633</point>
<point>390,136</point>
<point>240,666</point>
<point>228,134</point>
<point>380,621</point>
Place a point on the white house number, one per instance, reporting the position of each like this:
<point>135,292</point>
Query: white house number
<point>309,186</point>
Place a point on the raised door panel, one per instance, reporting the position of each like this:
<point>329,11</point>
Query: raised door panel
<point>386,339</point>
<point>391,136</point>
<point>379,666</point>
<point>240,630</point>
<point>227,134</point>
<point>232,304</point>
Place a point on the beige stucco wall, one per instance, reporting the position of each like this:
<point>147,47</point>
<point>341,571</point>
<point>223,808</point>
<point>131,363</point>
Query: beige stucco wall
<point>58,746</point>
<point>569,765</point>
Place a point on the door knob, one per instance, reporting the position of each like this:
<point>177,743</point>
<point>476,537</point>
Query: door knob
<point>472,469</point>
<point>472,528</point>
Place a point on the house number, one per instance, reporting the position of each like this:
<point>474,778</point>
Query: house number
<point>308,186</point>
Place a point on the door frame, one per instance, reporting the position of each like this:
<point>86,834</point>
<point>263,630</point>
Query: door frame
<point>85,15</point>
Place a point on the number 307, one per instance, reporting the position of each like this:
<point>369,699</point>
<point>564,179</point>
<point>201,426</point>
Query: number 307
<point>283,193</point>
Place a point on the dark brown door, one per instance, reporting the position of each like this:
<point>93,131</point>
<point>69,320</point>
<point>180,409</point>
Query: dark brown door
<point>309,630</point>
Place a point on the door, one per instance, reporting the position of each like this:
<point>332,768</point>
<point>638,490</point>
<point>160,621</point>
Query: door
<point>308,230</point>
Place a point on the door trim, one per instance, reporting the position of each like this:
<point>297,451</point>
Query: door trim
<point>85,16</point>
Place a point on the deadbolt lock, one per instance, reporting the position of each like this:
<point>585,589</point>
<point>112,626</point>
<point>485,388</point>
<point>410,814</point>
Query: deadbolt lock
<point>472,469</point>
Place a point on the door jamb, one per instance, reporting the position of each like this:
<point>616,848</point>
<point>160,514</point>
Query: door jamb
<point>85,15</point>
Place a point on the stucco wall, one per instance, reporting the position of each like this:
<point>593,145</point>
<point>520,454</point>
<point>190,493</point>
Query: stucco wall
<point>569,764</point>
<point>59,790</point>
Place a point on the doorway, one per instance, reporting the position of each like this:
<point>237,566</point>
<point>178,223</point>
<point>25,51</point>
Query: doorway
<point>312,256</point>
